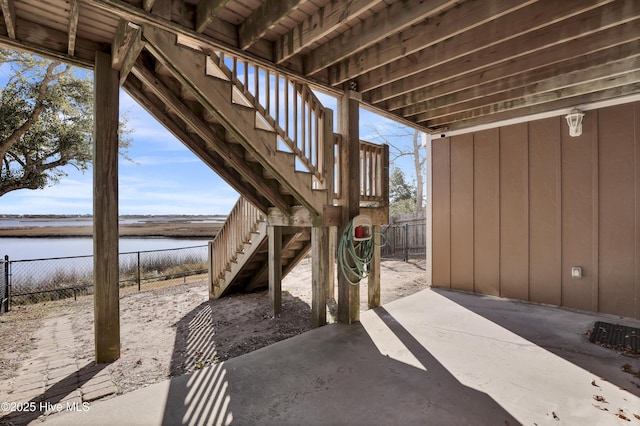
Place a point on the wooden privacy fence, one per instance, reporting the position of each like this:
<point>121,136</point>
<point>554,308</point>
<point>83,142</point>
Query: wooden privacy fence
<point>405,240</point>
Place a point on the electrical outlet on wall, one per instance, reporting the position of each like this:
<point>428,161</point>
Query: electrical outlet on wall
<point>576,272</point>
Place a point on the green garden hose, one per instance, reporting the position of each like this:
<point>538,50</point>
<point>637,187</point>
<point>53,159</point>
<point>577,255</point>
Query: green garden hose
<point>360,255</point>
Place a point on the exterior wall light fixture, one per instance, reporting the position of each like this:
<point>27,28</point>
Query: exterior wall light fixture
<point>574,120</point>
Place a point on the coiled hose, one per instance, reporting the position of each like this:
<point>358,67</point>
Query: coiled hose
<point>359,254</point>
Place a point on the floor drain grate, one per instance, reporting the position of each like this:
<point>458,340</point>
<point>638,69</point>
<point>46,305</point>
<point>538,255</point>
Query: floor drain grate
<point>616,336</point>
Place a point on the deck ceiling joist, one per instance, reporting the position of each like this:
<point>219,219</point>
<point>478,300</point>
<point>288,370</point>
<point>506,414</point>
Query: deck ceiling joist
<point>440,64</point>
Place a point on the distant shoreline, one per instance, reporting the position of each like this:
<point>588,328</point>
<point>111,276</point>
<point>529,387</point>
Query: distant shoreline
<point>146,226</point>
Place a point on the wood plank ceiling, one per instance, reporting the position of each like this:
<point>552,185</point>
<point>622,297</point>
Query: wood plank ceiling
<point>440,64</point>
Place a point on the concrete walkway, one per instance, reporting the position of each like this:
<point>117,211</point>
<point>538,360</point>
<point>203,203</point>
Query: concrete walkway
<point>437,357</point>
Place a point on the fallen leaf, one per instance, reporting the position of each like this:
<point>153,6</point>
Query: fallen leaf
<point>555,417</point>
<point>600,399</point>
<point>636,416</point>
<point>623,417</point>
<point>600,408</point>
<point>593,383</point>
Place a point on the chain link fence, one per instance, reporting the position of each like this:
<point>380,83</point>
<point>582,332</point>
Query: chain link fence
<point>38,280</point>
<point>4,284</point>
<point>405,240</point>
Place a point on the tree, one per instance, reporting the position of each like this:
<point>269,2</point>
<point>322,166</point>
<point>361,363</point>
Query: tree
<point>402,195</point>
<point>46,121</point>
<point>396,152</point>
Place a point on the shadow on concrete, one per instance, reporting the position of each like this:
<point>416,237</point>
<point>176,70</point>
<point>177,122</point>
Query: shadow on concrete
<point>56,398</point>
<point>331,375</point>
<point>563,332</point>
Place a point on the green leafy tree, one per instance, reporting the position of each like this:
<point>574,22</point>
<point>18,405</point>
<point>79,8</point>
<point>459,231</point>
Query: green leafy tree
<point>46,121</point>
<point>402,195</point>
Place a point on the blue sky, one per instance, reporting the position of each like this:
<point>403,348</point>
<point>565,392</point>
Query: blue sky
<point>165,177</point>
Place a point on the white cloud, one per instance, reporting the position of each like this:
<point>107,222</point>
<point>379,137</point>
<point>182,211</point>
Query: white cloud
<point>157,161</point>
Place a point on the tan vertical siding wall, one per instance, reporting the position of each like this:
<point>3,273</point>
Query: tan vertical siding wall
<point>514,208</point>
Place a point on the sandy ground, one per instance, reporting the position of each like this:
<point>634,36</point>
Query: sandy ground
<point>175,330</point>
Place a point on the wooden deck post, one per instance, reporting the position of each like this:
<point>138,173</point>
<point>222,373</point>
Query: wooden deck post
<point>320,275</point>
<point>105,211</point>
<point>374,273</point>
<point>332,263</point>
<point>274,234</point>
<point>348,294</point>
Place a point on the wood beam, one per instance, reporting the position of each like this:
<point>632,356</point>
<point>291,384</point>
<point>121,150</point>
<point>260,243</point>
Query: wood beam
<point>318,25</point>
<point>74,14</point>
<point>216,140</point>
<point>132,13</point>
<point>148,5</point>
<point>561,104</point>
<point>333,246</point>
<point>264,18</point>
<point>517,34</point>
<point>124,38</point>
<point>319,275</point>
<point>591,51</point>
<point>162,8</point>
<point>303,217</point>
<point>429,32</point>
<point>9,14</point>
<point>373,281</point>
<point>533,88</point>
<point>348,109</point>
<point>105,212</point>
<point>540,98</point>
<point>370,31</point>
<point>275,269</point>
<point>454,62</point>
<point>46,52</point>
<point>206,10</point>
<point>125,48</point>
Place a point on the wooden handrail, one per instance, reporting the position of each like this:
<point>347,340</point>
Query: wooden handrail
<point>283,105</point>
<point>374,173</point>
<point>242,222</point>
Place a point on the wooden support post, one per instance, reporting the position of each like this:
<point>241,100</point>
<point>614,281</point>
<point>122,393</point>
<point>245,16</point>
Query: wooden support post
<point>328,162</point>
<point>332,263</point>
<point>320,275</point>
<point>374,273</point>
<point>275,268</point>
<point>105,211</point>
<point>210,269</point>
<point>348,294</point>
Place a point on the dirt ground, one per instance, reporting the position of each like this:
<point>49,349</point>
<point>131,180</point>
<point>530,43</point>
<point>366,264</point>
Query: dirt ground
<point>175,330</point>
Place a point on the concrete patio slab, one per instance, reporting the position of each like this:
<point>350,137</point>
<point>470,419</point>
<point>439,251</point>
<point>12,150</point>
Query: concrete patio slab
<point>437,357</point>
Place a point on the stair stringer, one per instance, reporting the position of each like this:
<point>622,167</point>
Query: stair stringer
<point>189,68</point>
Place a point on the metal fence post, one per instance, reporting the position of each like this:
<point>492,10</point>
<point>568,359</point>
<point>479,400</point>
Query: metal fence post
<point>138,271</point>
<point>7,287</point>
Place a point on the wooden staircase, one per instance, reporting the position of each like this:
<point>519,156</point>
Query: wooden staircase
<point>239,255</point>
<point>266,135</point>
